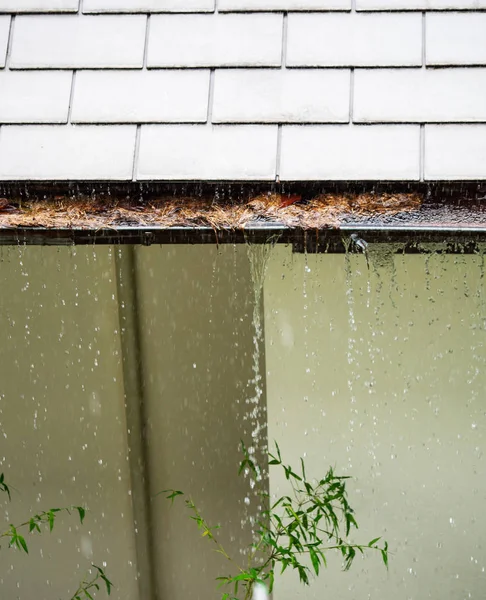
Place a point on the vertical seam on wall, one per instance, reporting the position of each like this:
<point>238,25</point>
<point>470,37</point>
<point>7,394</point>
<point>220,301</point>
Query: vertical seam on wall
<point>424,48</point>
<point>279,152</point>
<point>216,10</point>
<point>283,56</point>
<point>10,42</point>
<point>351,96</point>
<point>209,118</point>
<point>145,48</point>
<point>136,418</point>
<point>353,6</point>
<point>71,97</point>
<point>422,152</point>
<point>80,7</point>
<point>136,151</point>
<point>422,126</point>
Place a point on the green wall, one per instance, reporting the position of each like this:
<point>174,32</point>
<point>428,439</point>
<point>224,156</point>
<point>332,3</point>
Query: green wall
<point>382,374</point>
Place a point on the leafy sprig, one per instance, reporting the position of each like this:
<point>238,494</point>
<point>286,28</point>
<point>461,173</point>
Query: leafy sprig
<point>35,523</point>
<point>296,531</point>
<point>84,591</point>
<point>46,520</point>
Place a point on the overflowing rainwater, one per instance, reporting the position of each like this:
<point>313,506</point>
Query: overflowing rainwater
<point>258,255</point>
<point>127,371</point>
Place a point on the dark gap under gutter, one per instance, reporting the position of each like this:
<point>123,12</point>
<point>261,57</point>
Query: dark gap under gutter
<point>435,191</point>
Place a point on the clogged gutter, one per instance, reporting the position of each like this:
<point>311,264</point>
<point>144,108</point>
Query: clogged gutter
<point>321,212</point>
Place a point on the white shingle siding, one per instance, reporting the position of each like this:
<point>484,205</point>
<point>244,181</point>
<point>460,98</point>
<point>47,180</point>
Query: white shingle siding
<point>257,90</point>
<point>186,152</point>
<point>350,39</point>
<point>456,39</point>
<point>262,5</point>
<point>141,96</point>
<point>420,4</point>
<point>69,41</point>
<point>34,97</point>
<point>66,152</point>
<point>340,152</point>
<point>178,6</point>
<point>455,152</point>
<point>248,40</point>
<point>4,33</point>
<point>275,96</point>
<point>20,6</point>
<point>419,95</point>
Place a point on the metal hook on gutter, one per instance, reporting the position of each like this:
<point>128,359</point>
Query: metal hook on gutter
<point>362,245</point>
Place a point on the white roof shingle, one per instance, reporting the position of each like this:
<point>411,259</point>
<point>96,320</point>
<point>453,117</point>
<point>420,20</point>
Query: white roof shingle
<point>354,40</point>
<point>34,96</point>
<point>41,6</point>
<point>69,41</point>
<point>148,6</point>
<point>188,152</point>
<point>67,152</point>
<point>140,96</point>
<point>281,96</point>
<point>182,41</point>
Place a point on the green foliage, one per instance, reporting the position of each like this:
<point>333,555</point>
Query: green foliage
<point>86,587</point>
<point>295,531</point>
<point>45,520</point>
<point>3,486</point>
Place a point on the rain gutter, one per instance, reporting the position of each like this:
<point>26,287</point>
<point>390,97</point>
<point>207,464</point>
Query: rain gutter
<point>411,239</point>
<point>450,213</point>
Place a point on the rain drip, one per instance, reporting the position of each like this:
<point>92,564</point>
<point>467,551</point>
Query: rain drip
<point>480,292</point>
<point>305,295</point>
<point>352,351</point>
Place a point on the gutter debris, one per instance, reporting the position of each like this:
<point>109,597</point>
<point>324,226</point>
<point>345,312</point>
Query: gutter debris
<point>324,211</point>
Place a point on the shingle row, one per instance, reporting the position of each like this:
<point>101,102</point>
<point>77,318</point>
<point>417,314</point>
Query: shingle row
<point>334,95</point>
<point>183,6</point>
<point>241,152</point>
<point>244,96</point>
<point>245,40</point>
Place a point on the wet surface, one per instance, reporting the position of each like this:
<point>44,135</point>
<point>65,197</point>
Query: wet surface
<point>233,214</point>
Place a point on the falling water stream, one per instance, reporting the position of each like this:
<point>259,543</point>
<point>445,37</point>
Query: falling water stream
<point>258,255</point>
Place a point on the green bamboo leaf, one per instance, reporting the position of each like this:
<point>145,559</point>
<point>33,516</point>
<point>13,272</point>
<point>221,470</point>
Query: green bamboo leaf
<point>4,487</point>
<point>384,554</point>
<point>271,581</point>
<point>314,559</point>
<point>303,468</point>
<point>23,544</point>
<point>81,512</point>
<point>172,494</point>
